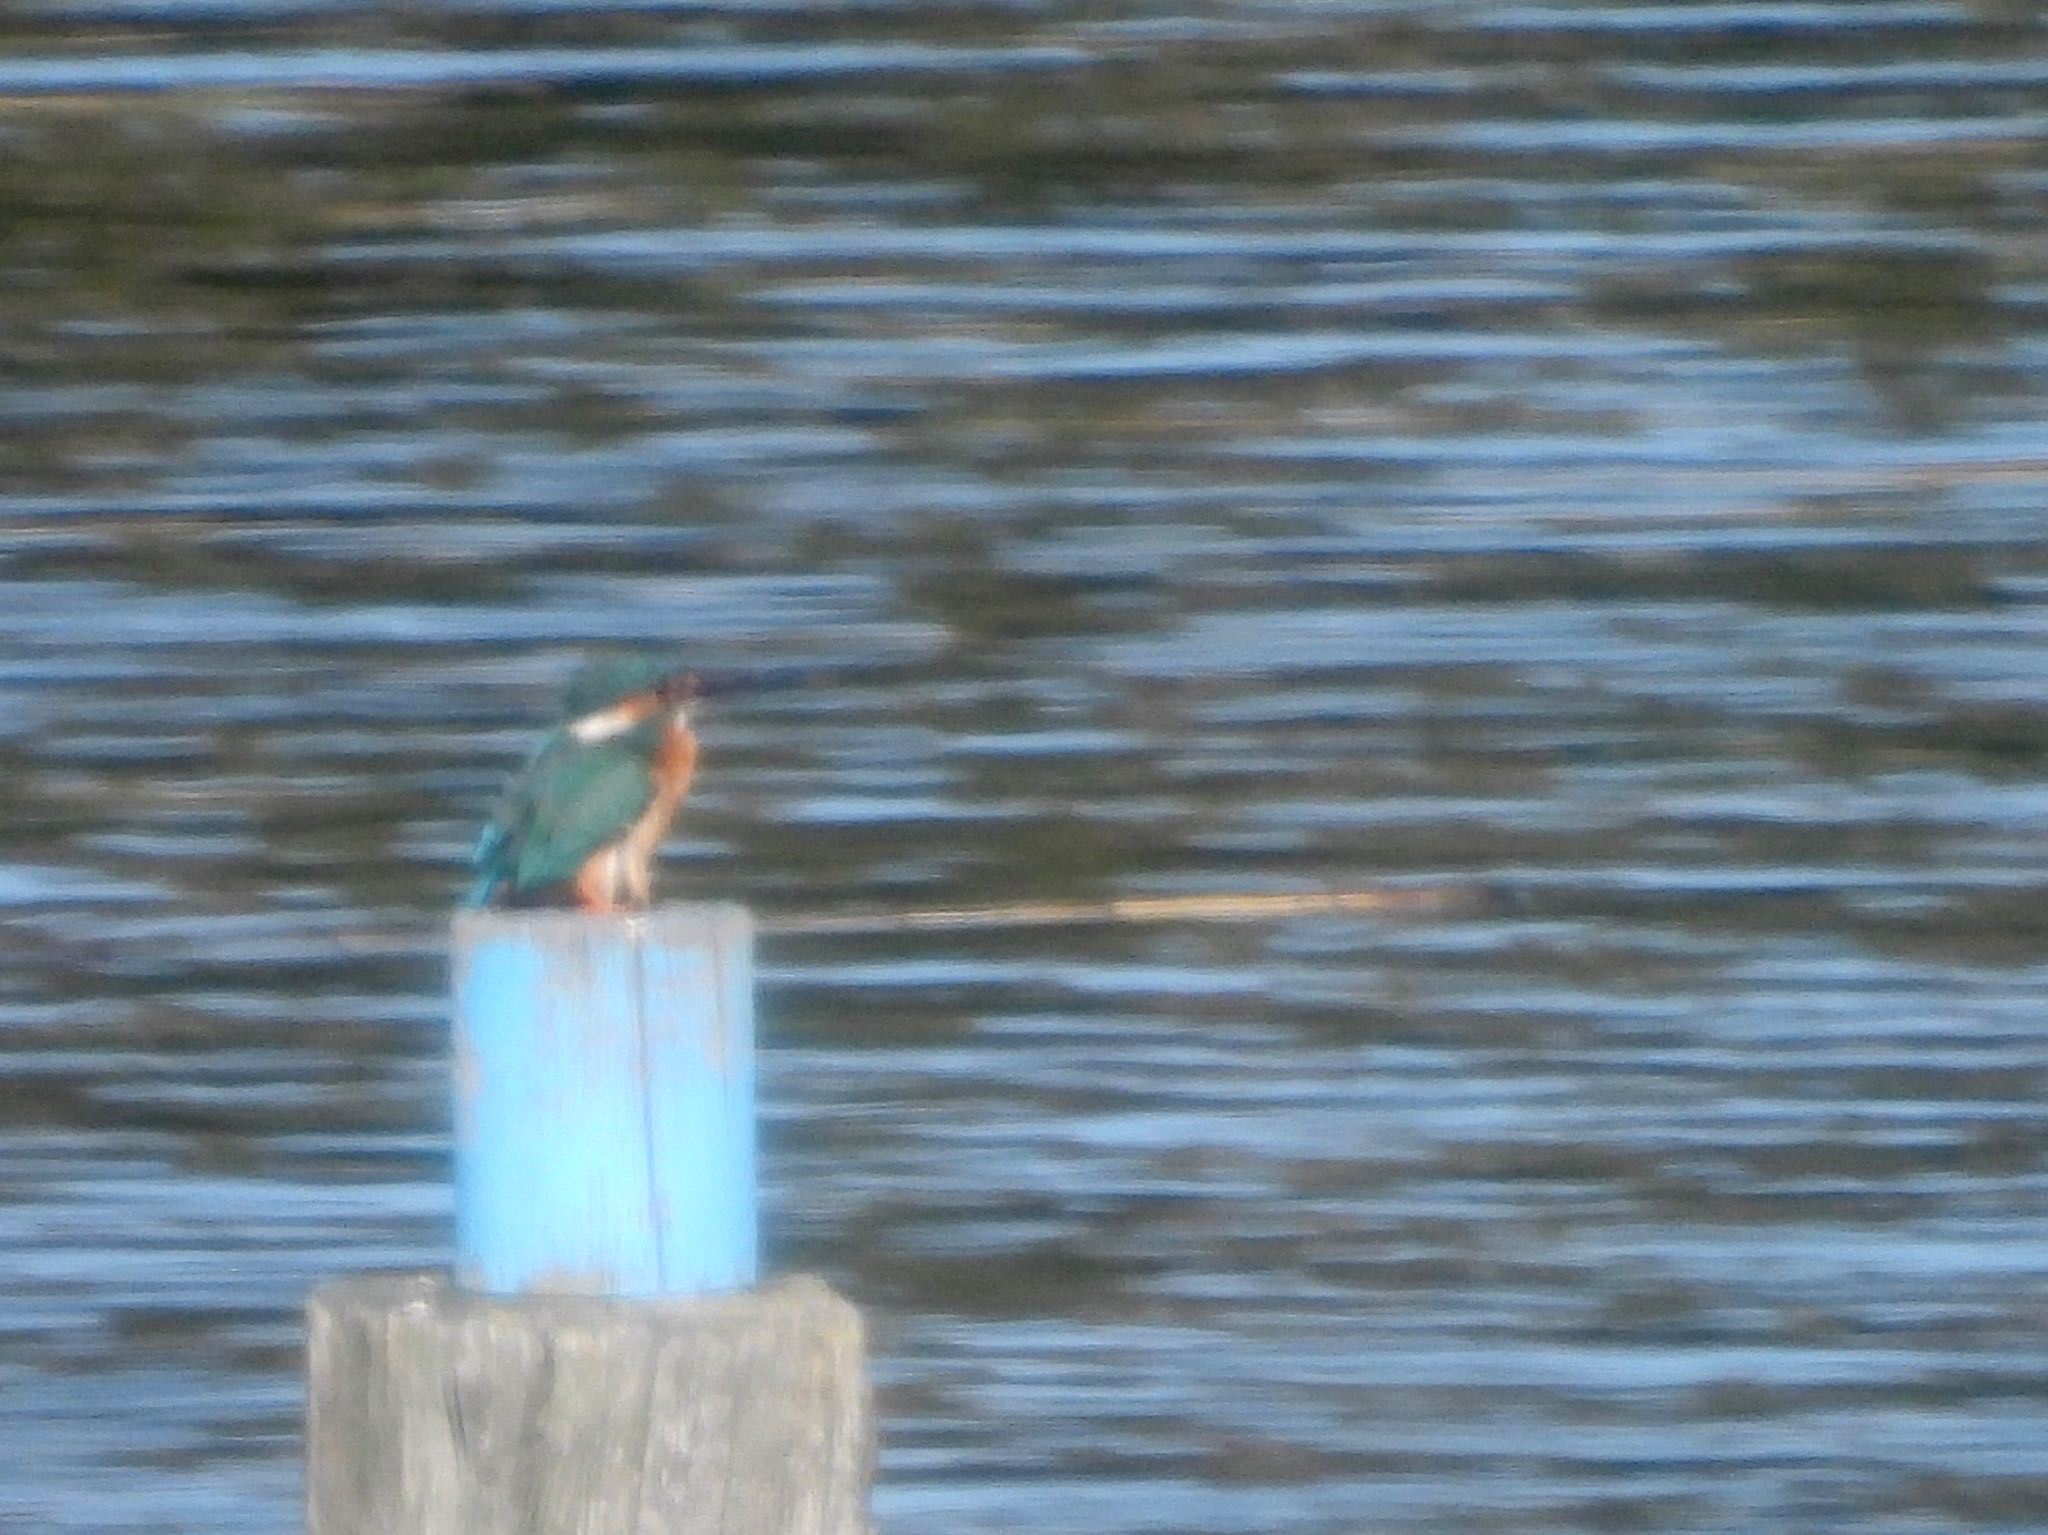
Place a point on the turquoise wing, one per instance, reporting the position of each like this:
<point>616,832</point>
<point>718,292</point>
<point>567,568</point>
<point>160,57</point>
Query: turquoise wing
<point>594,794</point>
<point>570,800</point>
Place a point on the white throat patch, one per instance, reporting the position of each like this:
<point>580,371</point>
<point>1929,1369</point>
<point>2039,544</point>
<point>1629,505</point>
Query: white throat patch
<point>606,723</point>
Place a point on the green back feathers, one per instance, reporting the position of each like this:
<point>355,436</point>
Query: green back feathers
<point>570,799</point>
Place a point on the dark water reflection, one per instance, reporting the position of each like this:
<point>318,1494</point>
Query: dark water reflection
<point>1589,450</point>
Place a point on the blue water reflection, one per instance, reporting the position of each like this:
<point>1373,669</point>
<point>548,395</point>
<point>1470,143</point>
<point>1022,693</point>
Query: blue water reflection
<point>1587,454</point>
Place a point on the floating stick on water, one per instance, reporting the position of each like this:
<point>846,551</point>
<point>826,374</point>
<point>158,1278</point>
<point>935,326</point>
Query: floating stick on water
<point>1412,900</point>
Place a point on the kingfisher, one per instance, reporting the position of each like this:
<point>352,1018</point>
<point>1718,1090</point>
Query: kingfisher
<point>579,824</point>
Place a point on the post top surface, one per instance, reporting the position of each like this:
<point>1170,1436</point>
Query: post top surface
<point>671,920</point>
<point>436,1293</point>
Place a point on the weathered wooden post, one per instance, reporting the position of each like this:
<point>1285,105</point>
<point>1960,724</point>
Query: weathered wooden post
<point>601,1365</point>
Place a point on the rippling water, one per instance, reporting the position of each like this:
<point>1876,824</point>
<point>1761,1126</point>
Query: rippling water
<point>1589,452</point>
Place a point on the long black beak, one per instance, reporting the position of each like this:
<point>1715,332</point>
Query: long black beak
<point>688,686</point>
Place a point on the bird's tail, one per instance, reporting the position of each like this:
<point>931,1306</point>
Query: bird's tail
<point>489,872</point>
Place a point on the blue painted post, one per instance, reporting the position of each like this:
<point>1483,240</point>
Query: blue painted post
<point>604,1102</point>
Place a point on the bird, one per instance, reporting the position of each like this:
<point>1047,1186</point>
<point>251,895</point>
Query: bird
<point>579,824</point>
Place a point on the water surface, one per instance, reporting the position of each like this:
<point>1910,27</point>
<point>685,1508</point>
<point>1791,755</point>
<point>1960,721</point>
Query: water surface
<point>1586,454</point>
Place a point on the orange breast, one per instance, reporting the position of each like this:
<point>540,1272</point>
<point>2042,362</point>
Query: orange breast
<point>674,762</point>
